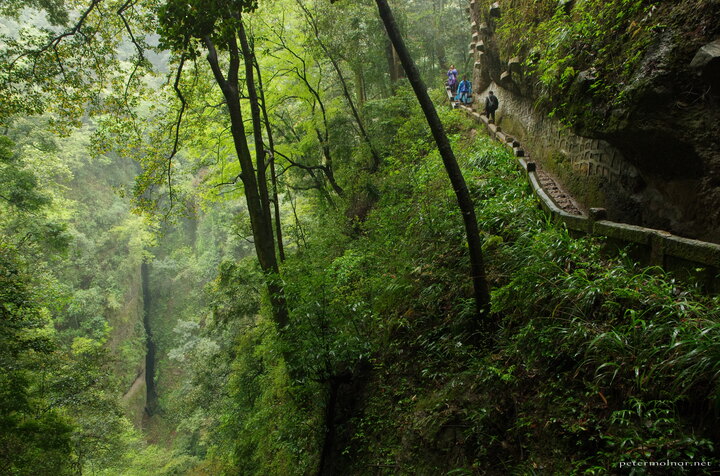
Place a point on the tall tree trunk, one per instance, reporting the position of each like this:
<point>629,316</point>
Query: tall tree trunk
<point>482,296</point>
<point>267,243</point>
<point>273,176</point>
<point>151,397</point>
<point>394,66</point>
<point>439,44</point>
<point>397,64</point>
<point>360,85</point>
<point>259,214</point>
<point>327,166</point>
<point>392,70</point>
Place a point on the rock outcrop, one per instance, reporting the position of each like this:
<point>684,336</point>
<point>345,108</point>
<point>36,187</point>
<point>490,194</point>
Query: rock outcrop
<point>628,121</point>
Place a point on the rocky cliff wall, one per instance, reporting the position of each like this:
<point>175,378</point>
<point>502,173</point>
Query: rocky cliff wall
<point>629,121</point>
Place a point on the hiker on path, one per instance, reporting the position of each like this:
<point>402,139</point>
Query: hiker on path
<point>464,93</point>
<point>491,105</point>
<point>452,79</point>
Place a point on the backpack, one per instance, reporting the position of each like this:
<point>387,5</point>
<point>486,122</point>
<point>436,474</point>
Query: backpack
<point>492,103</point>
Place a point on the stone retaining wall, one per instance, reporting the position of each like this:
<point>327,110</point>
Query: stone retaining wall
<point>685,257</point>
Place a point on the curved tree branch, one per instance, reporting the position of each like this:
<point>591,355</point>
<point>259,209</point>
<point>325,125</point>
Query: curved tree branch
<point>54,42</point>
<point>178,122</point>
<point>343,83</point>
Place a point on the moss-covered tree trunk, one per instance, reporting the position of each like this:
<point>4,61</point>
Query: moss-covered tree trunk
<point>255,186</point>
<point>273,175</point>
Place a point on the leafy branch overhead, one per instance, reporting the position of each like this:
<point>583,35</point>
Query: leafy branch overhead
<point>180,21</point>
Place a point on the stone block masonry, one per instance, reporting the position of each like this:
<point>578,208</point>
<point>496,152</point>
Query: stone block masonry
<point>686,257</point>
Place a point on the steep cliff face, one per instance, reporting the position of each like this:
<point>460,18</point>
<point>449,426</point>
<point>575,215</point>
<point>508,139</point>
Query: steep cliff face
<point>126,343</point>
<point>620,99</point>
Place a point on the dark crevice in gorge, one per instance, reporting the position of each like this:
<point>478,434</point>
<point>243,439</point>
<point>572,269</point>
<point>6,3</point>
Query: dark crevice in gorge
<point>151,400</point>
<point>346,393</point>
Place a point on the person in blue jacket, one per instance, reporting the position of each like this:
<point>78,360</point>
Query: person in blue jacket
<point>464,92</point>
<point>452,75</point>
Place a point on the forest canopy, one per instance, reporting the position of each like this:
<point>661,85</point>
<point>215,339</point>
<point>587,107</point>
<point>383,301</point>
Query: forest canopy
<point>242,237</point>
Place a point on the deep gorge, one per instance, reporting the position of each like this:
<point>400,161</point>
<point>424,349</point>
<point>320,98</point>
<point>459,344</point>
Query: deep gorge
<point>248,238</point>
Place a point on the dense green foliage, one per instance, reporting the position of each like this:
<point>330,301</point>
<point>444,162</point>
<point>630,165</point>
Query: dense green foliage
<point>589,360</point>
<point>56,377</point>
<point>597,361</point>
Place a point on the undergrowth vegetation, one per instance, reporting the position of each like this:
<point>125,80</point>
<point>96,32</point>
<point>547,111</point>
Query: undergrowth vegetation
<point>596,360</point>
